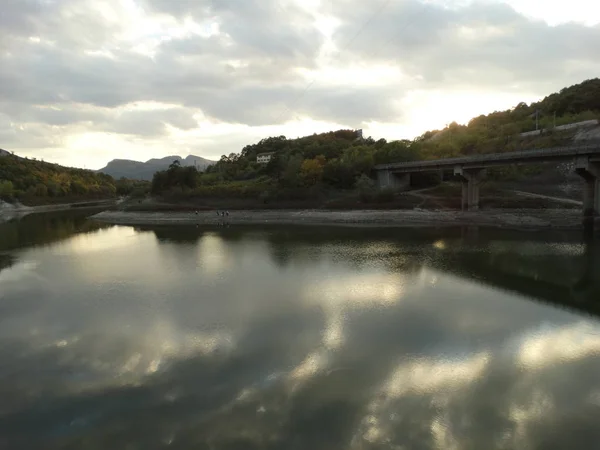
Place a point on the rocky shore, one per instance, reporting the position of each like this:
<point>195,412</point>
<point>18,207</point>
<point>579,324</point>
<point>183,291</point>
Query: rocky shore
<point>9,211</point>
<point>517,219</point>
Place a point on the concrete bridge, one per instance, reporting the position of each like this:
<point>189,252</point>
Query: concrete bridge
<point>471,170</point>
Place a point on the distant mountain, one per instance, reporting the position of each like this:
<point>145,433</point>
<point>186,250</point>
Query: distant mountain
<point>4,152</point>
<point>137,170</point>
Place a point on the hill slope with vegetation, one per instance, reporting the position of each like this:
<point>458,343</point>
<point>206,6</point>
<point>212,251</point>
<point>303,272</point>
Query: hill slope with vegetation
<point>33,182</point>
<point>319,165</point>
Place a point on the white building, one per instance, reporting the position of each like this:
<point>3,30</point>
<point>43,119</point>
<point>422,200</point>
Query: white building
<point>264,158</point>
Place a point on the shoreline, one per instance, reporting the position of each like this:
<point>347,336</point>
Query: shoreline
<point>515,219</point>
<point>9,211</point>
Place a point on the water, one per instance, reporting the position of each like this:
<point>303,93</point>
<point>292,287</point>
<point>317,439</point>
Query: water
<point>296,338</point>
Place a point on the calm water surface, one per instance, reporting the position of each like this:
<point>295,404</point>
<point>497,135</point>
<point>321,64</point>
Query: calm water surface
<point>296,338</point>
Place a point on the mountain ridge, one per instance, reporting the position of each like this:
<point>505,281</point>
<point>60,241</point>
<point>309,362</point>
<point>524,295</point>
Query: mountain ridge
<point>138,170</point>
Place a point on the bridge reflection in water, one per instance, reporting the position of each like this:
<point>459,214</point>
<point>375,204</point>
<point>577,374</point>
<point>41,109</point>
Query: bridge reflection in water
<point>185,336</point>
<point>559,271</point>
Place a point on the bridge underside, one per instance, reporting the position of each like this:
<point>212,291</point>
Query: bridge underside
<point>387,179</point>
<point>471,170</point>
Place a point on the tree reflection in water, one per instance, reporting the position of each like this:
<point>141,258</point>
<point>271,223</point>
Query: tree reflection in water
<point>420,339</point>
<point>42,229</point>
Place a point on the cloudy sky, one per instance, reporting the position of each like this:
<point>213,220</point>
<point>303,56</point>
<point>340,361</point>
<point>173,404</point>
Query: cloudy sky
<point>86,81</point>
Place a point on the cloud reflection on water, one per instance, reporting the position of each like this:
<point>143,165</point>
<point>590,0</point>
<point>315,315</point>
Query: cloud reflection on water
<point>351,346</point>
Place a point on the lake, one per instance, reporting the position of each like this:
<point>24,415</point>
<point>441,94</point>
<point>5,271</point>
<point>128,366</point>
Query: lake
<point>296,337</point>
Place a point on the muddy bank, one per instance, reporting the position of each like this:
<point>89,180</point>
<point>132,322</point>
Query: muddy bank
<point>517,219</point>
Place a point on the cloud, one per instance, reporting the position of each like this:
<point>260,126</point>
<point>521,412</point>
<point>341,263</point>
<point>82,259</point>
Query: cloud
<point>485,45</point>
<point>153,123</point>
<point>69,23</point>
<point>269,29</point>
<point>76,65</point>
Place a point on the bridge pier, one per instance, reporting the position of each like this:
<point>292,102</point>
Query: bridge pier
<point>387,179</point>
<point>587,286</point>
<point>590,172</point>
<point>471,179</point>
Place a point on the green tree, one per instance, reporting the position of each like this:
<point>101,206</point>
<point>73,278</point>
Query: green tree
<point>6,190</point>
<point>291,175</point>
<point>78,188</point>
<point>337,174</point>
<point>41,190</point>
<point>175,177</point>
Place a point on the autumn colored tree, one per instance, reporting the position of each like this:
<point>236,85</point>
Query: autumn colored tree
<point>32,181</point>
<point>311,170</point>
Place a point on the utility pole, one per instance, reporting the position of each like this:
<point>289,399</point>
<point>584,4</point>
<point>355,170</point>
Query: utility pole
<point>554,119</point>
<point>537,115</point>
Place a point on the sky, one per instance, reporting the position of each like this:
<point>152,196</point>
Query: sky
<point>83,82</point>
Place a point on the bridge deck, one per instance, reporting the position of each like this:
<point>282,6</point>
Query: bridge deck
<point>497,159</point>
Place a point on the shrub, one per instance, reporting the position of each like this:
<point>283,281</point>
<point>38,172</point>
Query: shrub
<point>7,190</point>
<point>385,195</point>
<point>366,188</point>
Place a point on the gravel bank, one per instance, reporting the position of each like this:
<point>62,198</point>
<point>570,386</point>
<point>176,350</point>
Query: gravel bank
<point>520,219</point>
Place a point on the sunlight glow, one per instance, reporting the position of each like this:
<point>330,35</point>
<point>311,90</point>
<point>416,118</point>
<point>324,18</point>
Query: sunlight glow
<point>359,290</point>
<point>213,254</point>
<point>432,110</point>
<point>97,241</point>
<point>356,75</point>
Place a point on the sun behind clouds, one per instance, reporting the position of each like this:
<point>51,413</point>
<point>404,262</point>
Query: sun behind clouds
<point>84,82</point>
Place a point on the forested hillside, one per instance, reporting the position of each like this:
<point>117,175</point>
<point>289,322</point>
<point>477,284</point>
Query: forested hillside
<point>299,167</point>
<point>312,166</point>
<point>498,131</point>
<point>38,182</point>
<point>342,159</point>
